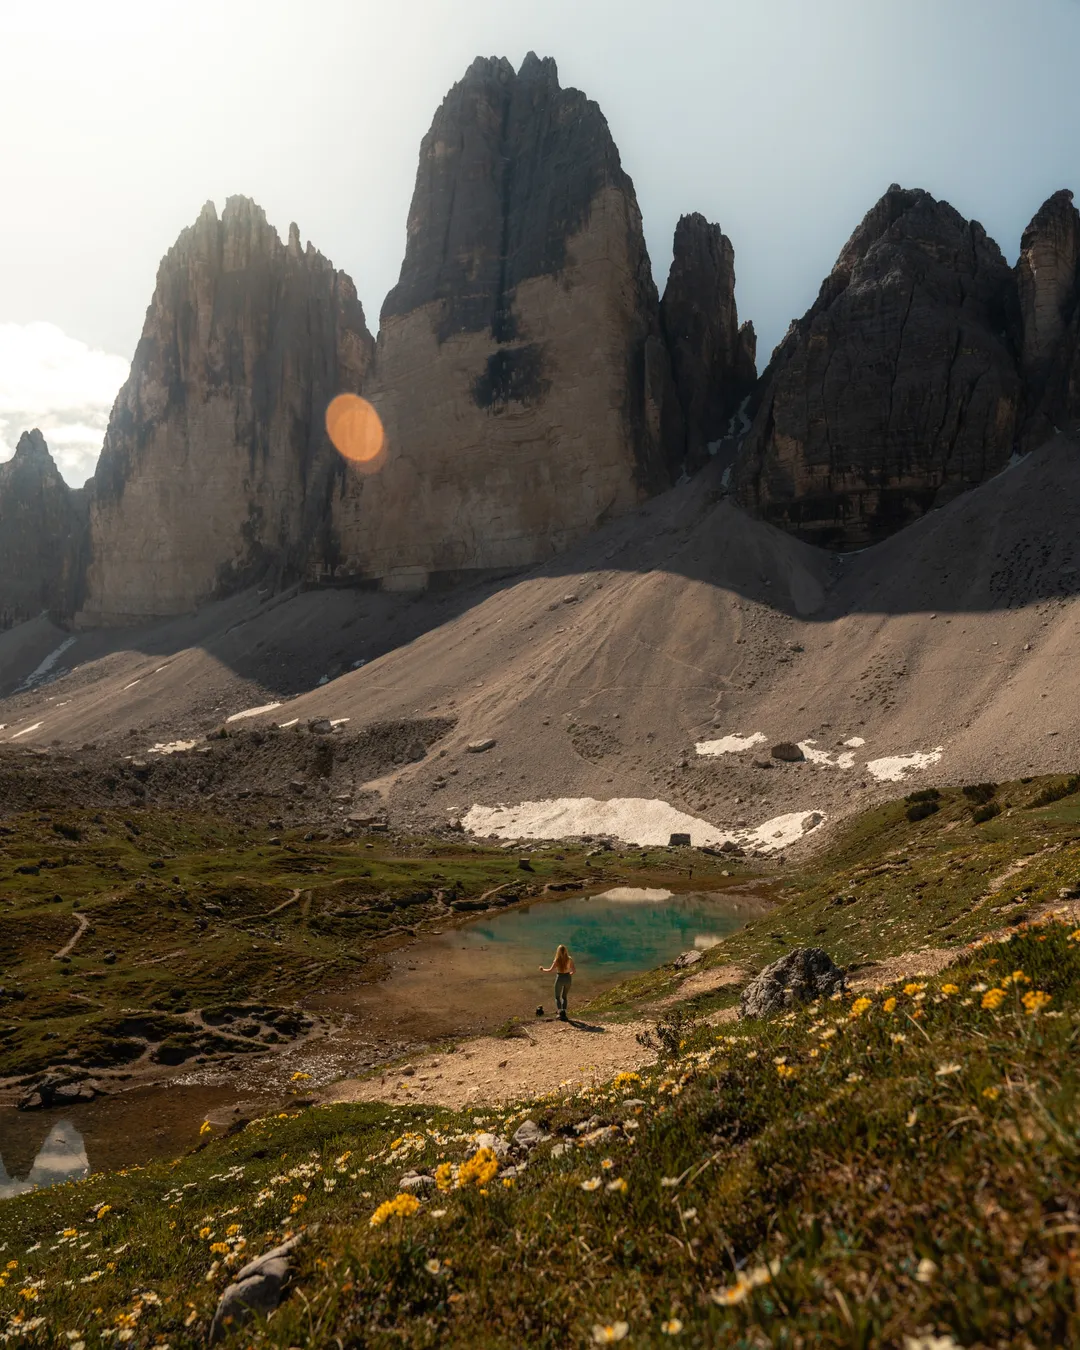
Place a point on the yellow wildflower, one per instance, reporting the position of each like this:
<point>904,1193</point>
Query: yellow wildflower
<point>205,1233</point>
<point>993,998</point>
<point>860,1006</point>
<point>619,1185</point>
<point>29,1294</point>
<point>991,1093</point>
<point>298,1202</point>
<point>1074,936</point>
<point>300,1077</point>
<point>219,1248</point>
<point>482,1167</point>
<point>950,989</point>
<point>444,1176</point>
<point>206,1128</point>
<point>889,1005</point>
<point>71,1232</point>
<point>672,1327</point>
<point>232,1230</point>
<point>913,988</point>
<point>1035,1000</point>
<point>607,1164</point>
<point>626,1079</point>
<point>402,1206</point>
<point>786,1071</point>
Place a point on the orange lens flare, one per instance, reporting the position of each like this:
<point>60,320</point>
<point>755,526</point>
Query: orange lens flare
<point>356,431</point>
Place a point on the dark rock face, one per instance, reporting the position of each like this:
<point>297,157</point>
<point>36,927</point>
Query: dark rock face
<point>216,467</point>
<point>897,389</point>
<point>521,373</point>
<point>801,976</point>
<point>42,535</point>
<point>713,360</point>
<point>1048,284</point>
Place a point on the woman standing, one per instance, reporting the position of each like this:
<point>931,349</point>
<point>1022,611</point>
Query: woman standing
<point>563,966</point>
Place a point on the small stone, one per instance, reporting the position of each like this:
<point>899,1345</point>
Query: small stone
<point>528,1134</point>
<point>479,747</point>
<point>788,753</point>
<point>256,1289</point>
<point>687,959</point>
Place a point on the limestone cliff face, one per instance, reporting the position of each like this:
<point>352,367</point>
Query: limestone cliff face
<point>1048,284</point>
<point>713,360</point>
<point>898,388</point>
<point>216,469</point>
<point>521,374</point>
<point>42,533</point>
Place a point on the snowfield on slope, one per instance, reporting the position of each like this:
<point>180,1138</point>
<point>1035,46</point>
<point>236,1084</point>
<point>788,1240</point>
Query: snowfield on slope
<point>634,820</point>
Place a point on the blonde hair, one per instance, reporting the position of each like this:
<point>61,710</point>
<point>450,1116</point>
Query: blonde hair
<point>562,958</point>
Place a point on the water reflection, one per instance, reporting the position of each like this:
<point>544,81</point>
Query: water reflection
<point>61,1157</point>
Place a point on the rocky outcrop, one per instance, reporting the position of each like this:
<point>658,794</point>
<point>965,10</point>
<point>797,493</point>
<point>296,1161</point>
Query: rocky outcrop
<point>521,374</point>
<point>802,975</point>
<point>713,360</point>
<point>216,469</point>
<point>42,532</point>
<point>897,389</point>
<point>1048,286</point>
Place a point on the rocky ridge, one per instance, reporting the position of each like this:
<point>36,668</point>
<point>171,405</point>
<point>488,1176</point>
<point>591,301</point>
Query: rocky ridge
<point>521,374</point>
<point>216,468</point>
<point>713,359</point>
<point>42,523</point>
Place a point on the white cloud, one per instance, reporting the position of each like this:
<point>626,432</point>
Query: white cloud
<point>59,384</point>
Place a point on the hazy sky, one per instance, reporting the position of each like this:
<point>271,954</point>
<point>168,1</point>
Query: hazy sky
<point>784,120</point>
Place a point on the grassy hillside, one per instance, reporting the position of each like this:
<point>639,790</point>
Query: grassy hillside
<point>898,1168</point>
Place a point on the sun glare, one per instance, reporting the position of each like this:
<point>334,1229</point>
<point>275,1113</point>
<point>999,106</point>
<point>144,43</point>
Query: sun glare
<point>356,431</point>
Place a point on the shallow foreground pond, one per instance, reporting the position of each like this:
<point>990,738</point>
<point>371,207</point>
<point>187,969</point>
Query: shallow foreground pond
<point>441,985</point>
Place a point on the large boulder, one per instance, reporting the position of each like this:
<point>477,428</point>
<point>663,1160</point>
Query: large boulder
<point>216,468</point>
<point>42,535</point>
<point>522,376</point>
<point>713,359</point>
<point>801,976</point>
<point>898,389</point>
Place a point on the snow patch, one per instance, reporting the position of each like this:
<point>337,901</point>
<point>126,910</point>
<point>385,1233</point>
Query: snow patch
<point>27,730</point>
<point>855,742</point>
<point>253,712</point>
<point>730,745</point>
<point>293,723</point>
<point>634,820</point>
<point>171,747</point>
<point>893,768</point>
<point>825,758</point>
<point>41,674</point>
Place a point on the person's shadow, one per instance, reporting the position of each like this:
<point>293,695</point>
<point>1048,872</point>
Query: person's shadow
<point>586,1026</point>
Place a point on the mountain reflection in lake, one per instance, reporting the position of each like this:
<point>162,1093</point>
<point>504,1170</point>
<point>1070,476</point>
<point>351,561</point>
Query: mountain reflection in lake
<point>61,1157</point>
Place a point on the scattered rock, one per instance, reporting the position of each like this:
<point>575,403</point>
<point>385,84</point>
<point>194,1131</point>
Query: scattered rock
<point>500,1147</point>
<point>528,1134</point>
<point>320,726</point>
<point>687,959</point>
<point>788,753</point>
<point>256,1289</point>
<point>479,747</point>
<point>416,1181</point>
<point>800,976</point>
<point>679,841</point>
